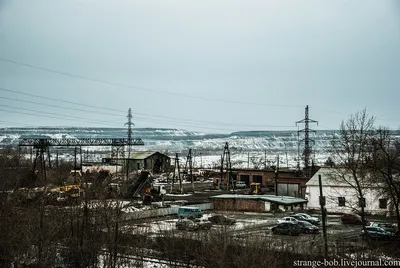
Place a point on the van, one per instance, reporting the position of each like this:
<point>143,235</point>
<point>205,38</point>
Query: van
<point>240,184</point>
<point>190,212</point>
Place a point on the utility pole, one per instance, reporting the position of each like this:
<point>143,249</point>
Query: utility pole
<point>57,159</point>
<point>48,156</point>
<point>323,213</point>
<point>307,147</point>
<point>265,158</point>
<point>277,163</point>
<point>287,161</point>
<point>179,174</point>
<point>81,159</point>
<point>129,124</point>
<point>226,159</point>
<point>75,165</point>
<point>190,164</point>
<point>276,175</point>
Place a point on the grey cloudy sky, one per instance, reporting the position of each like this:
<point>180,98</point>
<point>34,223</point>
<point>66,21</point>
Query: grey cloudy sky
<point>203,65</point>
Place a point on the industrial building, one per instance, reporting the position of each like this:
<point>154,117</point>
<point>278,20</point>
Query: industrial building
<point>257,203</point>
<point>152,161</point>
<point>282,182</point>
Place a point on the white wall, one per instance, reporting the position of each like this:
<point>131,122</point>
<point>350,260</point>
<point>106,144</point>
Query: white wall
<point>332,193</point>
<point>267,206</point>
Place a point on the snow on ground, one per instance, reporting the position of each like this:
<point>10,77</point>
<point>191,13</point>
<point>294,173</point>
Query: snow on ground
<point>160,226</point>
<point>177,195</point>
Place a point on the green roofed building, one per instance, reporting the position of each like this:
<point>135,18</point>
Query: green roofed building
<point>257,203</point>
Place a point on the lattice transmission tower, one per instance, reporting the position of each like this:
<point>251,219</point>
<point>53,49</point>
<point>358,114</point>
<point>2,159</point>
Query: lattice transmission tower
<point>129,139</point>
<point>307,141</point>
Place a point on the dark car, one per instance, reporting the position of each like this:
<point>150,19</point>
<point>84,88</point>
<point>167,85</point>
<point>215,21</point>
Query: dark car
<point>351,219</point>
<point>307,227</point>
<point>287,228</point>
<point>221,220</point>
<point>187,225</point>
<point>376,233</point>
<point>389,227</point>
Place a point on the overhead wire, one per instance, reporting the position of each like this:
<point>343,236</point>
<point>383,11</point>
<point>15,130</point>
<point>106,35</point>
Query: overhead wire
<point>58,116</point>
<point>39,113</point>
<point>141,114</point>
<point>15,123</point>
<point>144,89</point>
<point>140,88</point>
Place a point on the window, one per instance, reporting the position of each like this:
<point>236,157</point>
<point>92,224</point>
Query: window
<point>342,201</point>
<point>361,202</point>
<point>383,203</point>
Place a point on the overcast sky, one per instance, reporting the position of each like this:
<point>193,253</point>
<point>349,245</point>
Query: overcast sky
<point>202,65</point>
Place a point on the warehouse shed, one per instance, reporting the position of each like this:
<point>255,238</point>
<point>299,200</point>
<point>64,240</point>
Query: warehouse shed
<point>257,203</point>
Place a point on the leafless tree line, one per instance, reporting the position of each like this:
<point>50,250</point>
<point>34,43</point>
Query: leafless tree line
<point>367,157</point>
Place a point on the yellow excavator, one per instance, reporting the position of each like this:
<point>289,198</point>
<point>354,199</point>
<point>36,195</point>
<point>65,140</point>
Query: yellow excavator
<point>71,191</point>
<point>255,188</point>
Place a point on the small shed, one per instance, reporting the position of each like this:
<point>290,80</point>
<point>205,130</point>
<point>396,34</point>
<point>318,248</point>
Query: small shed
<point>154,161</point>
<point>257,203</point>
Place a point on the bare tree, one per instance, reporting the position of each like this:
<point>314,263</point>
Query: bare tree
<point>351,149</point>
<point>386,166</point>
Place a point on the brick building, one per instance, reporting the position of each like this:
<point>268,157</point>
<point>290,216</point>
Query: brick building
<point>257,203</point>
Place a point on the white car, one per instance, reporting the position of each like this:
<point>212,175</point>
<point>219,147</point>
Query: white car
<point>288,219</point>
<point>240,185</point>
<point>313,220</point>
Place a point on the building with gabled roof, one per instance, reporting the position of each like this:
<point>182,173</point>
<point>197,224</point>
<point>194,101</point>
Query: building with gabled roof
<point>341,197</point>
<point>153,161</point>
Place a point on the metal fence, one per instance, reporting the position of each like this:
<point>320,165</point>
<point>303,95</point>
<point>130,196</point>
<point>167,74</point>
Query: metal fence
<point>160,212</point>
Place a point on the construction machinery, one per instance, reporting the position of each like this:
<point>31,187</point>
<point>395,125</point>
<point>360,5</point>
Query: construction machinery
<point>255,188</point>
<point>143,187</point>
<point>67,193</point>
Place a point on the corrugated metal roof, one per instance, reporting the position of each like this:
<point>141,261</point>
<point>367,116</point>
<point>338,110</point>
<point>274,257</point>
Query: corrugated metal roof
<point>142,155</point>
<point>285,200</point>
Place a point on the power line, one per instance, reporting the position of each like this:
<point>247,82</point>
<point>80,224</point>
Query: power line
<point>145,120</point>
<point>42,114</point>
<point>15,123</point>
<point>58,100</point>
<point>58,106</point>
<point>140,88</point>
<point>142,114</point>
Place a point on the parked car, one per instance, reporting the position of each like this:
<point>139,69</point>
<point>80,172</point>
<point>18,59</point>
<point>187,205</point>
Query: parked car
<point>351,219</point>
<point>288,228</point>
<point>187,225</point>
<point>203,224</point>
<point>288,219</point>
<point>221,220</point>
<point>306,217</point>
<point>389,227</point>
<point>307,227</point>
<point>240,185</point>
<point>376,233</point>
